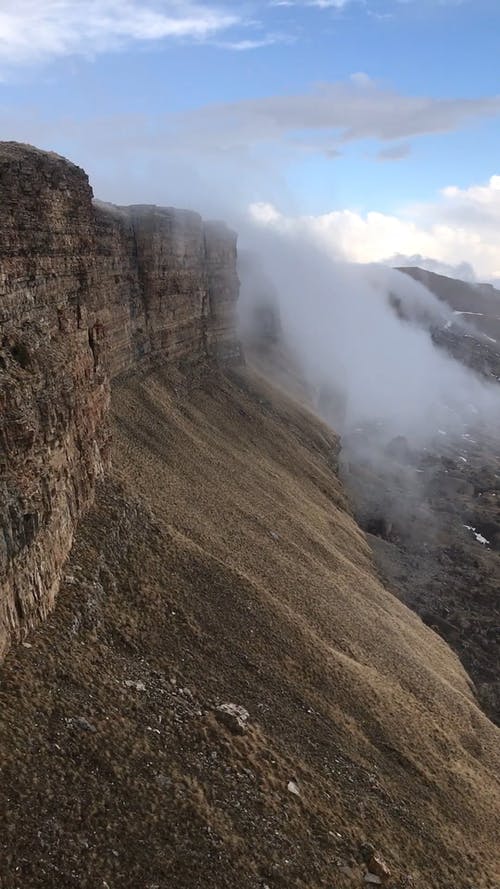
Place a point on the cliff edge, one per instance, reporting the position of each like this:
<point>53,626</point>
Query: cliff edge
<point>87,292</point>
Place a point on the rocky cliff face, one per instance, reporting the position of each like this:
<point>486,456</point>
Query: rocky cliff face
<point>87,292</point>
<point>169,286</point>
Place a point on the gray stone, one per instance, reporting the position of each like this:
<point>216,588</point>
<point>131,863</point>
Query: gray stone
<point>233,717</point>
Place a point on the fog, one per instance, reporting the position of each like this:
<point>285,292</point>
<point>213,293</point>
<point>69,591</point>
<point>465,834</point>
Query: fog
<point>363,332</point>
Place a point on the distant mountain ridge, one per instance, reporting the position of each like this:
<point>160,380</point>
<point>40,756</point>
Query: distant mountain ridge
<point>479,304</point>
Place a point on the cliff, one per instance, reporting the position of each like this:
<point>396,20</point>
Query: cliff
<point>87,292</point>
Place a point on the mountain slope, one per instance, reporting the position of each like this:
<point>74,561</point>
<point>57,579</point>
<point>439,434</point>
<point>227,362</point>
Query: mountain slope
<point>220,564</point>
<point>474,338</point>
<point>478,303</point>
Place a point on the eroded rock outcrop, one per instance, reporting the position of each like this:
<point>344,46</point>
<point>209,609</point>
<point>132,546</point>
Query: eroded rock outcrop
<point>87,292</point>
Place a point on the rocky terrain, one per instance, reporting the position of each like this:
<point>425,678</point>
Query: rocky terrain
<point>434,525</point>
<point>227,691</point>
<point>474,338</point>
<point>476,303</point>
<point>434,521</point>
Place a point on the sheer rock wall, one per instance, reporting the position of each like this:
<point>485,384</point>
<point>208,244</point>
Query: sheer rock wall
<point>87,292</point>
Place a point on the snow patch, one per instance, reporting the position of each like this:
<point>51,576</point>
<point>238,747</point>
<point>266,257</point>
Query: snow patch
<point>479,537</point>
<point>479,314</point>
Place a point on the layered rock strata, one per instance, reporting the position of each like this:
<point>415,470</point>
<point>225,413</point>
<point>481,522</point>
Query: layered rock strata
<point>87,292</point>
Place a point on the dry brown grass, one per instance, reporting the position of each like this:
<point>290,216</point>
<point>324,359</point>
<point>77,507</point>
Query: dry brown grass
<point>221,563</point>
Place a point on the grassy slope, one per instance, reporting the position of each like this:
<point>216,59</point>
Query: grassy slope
<point>220,563</point>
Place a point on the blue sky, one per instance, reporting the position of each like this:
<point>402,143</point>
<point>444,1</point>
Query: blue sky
<point>362,106</point>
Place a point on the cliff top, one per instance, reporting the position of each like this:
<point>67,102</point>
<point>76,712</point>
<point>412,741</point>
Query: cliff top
<point>26,156</point>
<point>23,153</point>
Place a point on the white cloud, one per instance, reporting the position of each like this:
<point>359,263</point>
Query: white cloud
<point>319,4</point>
<point>327,4</point>
<point>38,30</point>
<point>244,45</point>
<point>462,225</point>
<point>41,30</point>
<point>340,4</point>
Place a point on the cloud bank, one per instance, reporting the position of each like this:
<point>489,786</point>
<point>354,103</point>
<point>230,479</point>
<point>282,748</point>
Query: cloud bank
<point>456,234</point>
<point>381,366</point>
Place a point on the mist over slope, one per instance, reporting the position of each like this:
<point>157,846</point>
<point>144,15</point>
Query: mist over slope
<point>365,331</point>
<point>413,389</point>
<point>477,303</point>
